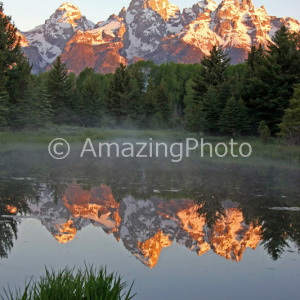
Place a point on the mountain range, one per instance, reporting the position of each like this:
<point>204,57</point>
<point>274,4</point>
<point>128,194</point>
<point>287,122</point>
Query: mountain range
<point>150,30</point>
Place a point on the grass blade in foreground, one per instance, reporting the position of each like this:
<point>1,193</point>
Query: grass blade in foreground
<point>90,284</point>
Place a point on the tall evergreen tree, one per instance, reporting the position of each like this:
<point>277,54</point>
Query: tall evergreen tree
<point>138,73</point>
<point>124,96</point>
<point>192,120</point>
<point>34,111</point>
<point>135,105</point>
<point>213,71</point>
<point>207,85</point>
<point>81,78</point>
<point>59,88</point>
<point>212,108</point>
<point>164,104</point>
<point>270,89</point>
<point>255,57</point>
<point>150,104</point>
<point>195,121</point>
<point>43,103</point>
<point>91,106</point>
<point>119,93</point>
<point>252,86</point>
<point>14,67</point>
<point>234,117</point>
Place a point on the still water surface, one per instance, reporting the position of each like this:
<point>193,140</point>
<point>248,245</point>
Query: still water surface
<point>194,230</point>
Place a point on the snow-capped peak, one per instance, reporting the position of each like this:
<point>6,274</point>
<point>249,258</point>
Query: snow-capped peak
<point>67,13</point>
<point>69,6</point>
<point>163,7</point>
<point>49,39</point>
<point>207,5</point>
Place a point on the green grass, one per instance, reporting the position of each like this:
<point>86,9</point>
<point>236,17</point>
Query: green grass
<point>276,149</point>
<point>90,284</point>
<point>78,134</point>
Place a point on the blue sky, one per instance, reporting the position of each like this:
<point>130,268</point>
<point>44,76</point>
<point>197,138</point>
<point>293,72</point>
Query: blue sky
<point>30,13</point>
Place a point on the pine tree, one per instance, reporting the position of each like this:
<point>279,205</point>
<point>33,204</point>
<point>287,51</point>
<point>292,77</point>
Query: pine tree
<point>81,78</point>
<point>255,57</point>
<point>26,112</point>
<point>195,121</point>
<point>214,101</point>
<point>124,96</point>
<point>34,111</point>
<point>118,93</point>
<point>4,110</point>
<point>189,93</point>
<point>91,106</point>
<point>59,88</point>
<point>164,105</point>
<point>137,72</point>
<point>252,86</point>
<point>207,98</point>
<point>234,117</point>
<point>225,92</point>
<point>19,79</point>
<point>157,121</point>
<point>135,107</point>
<point>150,105</point>
<point>14,67</point>
<point>275,74</point>
<point>290,126</point>
<point>212,73</point>
<point>212,109</point>
<point>192,120</point>
<point>43,104</point>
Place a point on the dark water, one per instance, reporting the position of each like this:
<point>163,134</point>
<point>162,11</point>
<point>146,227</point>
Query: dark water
<point>194,230</point>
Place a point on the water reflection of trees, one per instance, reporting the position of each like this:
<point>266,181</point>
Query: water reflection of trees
<point>8,232</point>
<point>255,189</point>
<point>212,209</point>
<point>14,195</point>
<point>278,228</point>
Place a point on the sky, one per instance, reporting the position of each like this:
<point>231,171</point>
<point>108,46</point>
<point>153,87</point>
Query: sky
<point>30,13</point>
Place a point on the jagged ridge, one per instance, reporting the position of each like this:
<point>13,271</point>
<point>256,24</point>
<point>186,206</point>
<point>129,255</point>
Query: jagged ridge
<point>150,29</point>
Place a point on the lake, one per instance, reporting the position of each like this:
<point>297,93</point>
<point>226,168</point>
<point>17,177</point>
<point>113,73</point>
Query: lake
<point>197,229</point>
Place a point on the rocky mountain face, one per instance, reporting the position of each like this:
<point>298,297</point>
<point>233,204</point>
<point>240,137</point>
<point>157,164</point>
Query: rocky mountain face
<point>45,42</point>
<point>145,227</point>
<point>150,29</point>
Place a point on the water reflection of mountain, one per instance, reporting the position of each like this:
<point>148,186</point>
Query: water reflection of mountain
<point>145,227</point>
<point>144,204</point>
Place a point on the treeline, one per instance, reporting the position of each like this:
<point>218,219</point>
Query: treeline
<point>260,96</point>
